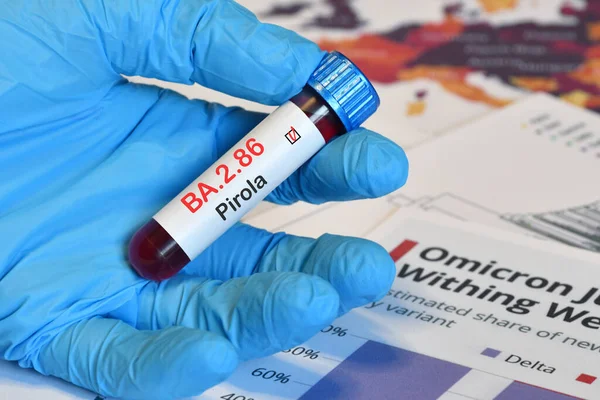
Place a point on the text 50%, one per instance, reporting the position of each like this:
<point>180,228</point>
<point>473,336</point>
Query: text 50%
<point>303,351</point>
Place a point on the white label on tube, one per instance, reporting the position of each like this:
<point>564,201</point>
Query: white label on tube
<point>240,179</point>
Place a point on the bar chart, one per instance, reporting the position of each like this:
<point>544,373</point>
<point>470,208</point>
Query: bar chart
<point>380,371</point>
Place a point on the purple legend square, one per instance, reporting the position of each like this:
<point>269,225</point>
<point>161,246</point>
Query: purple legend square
<point>490,353</point>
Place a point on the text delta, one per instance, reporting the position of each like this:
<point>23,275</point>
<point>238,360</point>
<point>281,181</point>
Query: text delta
<point>537,365</point>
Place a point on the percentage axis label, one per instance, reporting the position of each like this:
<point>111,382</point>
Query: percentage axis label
<point>304,352</point>
<point>233,396</point>
<point>335,330</point>
<point>271,375</point>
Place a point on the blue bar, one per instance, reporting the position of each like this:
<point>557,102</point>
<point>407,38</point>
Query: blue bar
<point>522,391</point>
<point>379,371</point>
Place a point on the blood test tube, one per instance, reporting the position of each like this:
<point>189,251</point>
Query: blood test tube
<point>337,98</point>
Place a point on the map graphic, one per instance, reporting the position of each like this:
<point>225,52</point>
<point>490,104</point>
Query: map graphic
<point>561,59</point>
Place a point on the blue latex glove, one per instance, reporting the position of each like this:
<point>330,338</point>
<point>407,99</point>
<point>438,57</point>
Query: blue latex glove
<point>86,158</point>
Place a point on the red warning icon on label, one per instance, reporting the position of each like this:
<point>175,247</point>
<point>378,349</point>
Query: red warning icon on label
<point>292,136</point>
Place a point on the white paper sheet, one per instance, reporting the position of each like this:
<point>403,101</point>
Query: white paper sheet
<point>354,218</point>
<point>533,167</point>
<point>470,347</point>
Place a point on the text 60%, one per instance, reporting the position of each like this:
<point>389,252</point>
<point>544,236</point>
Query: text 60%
<point>270,374</point>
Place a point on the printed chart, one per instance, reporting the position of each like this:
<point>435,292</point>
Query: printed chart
<point>469,317</point>
<point>382,371</point>
<point>377,370</point>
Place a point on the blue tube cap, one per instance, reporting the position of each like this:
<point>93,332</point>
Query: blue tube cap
<point>346,89</point>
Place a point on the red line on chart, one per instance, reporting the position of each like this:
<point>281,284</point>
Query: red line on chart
<point>402,249</point>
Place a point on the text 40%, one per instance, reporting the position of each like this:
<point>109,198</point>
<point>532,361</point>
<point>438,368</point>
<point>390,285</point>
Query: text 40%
<point>233,396</point>
<point>335,330</point>
<point>270,374</point>
<point>303,351</point>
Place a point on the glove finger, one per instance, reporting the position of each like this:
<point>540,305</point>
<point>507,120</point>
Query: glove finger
<point>359,165</point>
<point>361,271</point>
<point>114,359</point>
<point>218,44</point>
<point>260,314</point>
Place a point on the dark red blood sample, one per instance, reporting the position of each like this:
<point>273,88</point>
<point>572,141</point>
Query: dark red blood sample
<point>155,255</point>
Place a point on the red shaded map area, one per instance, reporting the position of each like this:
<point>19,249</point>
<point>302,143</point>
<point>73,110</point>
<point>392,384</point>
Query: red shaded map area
<point>557,59</point>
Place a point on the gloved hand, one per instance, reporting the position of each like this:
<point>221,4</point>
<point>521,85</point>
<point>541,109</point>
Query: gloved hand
<point>86,158</point>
